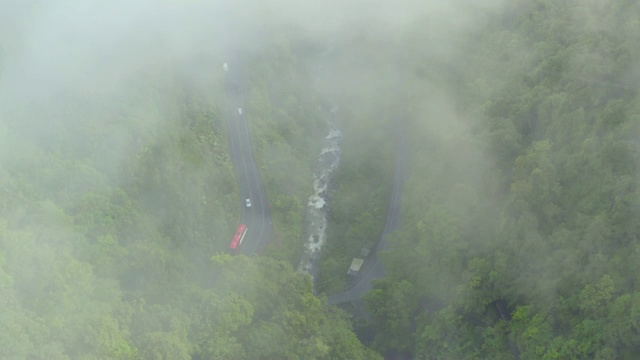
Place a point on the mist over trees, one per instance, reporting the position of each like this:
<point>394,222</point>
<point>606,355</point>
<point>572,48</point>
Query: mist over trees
<point>118,198</point>
<point>521,214</point>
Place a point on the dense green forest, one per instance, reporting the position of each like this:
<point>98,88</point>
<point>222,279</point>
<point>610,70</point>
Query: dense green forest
<point>118,201</point>
<point>520,212</point>
<point>286,130</point>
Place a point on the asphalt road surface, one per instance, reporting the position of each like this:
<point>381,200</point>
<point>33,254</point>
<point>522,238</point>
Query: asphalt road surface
<point>373,265</point>
<point>258,216</point>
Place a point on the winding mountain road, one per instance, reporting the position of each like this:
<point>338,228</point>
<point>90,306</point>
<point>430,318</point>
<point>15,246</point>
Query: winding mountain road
<point>257,217</point>
<point>373,265</point>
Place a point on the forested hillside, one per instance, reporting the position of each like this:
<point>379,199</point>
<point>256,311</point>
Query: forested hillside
<point>522,215</point>
<point>286,128</point>
<point>118,201</point>
<point>520,220</point>
<point>360,76</point>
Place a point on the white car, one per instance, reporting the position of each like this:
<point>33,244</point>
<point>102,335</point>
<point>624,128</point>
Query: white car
<point>225,67</point>
<point>240,111</point>
<point>247,202</point>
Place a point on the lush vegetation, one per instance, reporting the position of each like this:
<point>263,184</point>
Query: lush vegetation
<point>117,202</point>
<point>286,129</point>
<point>520,219</point>
<point>366,112</point>
<point>521,228</point>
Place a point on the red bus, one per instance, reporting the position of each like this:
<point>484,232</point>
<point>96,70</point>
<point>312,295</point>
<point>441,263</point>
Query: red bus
<point>238,237</point>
